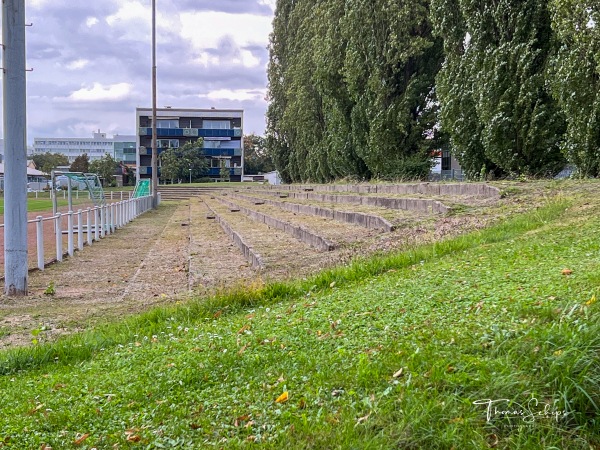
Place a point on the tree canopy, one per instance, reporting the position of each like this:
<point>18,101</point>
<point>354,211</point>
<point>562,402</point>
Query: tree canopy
<point>256,157</point>
<point>368,88</point>
<point>183,162</point>
<point>575,80</point>
<point>81,164</point>
<point>46,162</point>
<point>105,168</point>
<point>351,89</point>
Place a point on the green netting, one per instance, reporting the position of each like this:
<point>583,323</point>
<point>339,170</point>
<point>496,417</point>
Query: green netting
<point>92,184</point>
<point>142,189</point>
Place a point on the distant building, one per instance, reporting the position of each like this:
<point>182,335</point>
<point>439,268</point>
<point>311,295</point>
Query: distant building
<point>445,166</point>
<point>125,149</point>
<point>221,130</point>
<point>96,147</point>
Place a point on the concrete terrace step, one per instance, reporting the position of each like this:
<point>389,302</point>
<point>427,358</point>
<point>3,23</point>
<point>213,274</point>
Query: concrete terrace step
<point>185,192</point>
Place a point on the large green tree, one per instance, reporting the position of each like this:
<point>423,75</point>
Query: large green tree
<point>81,164</point>
<point>496,105</point>
<point>183,162</point>
<point>46,162</point>
<point>575,79</point>
<point>351,89</point>
<point>256,158</point>
<point>105,168</point>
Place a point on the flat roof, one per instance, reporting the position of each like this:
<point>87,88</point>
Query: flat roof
<point>193,110</point>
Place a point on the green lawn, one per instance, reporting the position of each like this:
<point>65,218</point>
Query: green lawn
<point>396,351</point>
<point>44,204</point>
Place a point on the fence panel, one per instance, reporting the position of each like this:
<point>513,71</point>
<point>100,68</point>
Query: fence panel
<point>48,237</point>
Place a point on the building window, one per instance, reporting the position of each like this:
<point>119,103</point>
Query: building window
<point>167,143</point>
<point>171,123</point>
<point>216,124</point>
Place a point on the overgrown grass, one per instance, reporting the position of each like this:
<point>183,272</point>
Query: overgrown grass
<point>394,351</point>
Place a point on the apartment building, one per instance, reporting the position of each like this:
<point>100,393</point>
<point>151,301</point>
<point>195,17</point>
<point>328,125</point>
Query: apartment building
<point>221,130</point>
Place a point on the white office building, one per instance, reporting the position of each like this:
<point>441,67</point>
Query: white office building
<point>95,147</point>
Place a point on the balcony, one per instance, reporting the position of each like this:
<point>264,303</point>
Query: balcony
<point>191,132</point>
<point>222,151</point>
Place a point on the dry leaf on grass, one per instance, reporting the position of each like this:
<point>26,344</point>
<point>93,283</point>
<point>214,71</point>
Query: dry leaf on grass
<point>282,398</point>
<point>81,438</point>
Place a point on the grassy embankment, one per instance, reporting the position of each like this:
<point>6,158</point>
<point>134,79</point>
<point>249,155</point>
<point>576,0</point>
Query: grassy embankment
<point>394,351</point>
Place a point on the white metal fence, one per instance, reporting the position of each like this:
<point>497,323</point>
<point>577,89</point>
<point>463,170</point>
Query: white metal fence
<point>48,236</point>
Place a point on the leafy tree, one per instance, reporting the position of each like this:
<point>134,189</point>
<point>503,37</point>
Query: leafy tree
<point>46,162</point>
<point>351,89</point>
<point>495,102</point>
<point>105,168</point>
<point>224,171</point>
<point>81,164</point>
<point>575,80</point>
<point>256,158</point>
<point>175,163</point>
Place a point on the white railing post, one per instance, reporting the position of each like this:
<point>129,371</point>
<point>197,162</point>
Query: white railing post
<point>103,220</point>
<point>121,195</point>
<point>111,195</point>
<point>88,220</point>
<point>96,223</point>
<point>111,220</point>
<point>79,230</point>
<point>40,242</point>
<point>70,243</point>
<point>59,238</point>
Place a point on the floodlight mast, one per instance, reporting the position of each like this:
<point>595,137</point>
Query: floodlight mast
<point>15,148</point>
<point>154,162</point>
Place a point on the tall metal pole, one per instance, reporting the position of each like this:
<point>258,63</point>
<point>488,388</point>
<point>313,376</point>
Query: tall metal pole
<point>154,151</point>
<point>15,148</point>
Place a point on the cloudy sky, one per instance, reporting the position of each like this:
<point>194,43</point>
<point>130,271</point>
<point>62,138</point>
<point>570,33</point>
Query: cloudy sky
<point>92,61</point>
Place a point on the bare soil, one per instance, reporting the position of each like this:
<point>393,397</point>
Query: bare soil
<point>166,256</point>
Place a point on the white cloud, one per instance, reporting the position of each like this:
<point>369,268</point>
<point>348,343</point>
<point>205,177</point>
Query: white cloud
<point>100,92</point>
<point>129,11</point>
<point>269,3</point>
<point>78,64</point>
<point>205,29</point>
<point>91,21</point>
<point>237,94</point>
<point>245,58</point>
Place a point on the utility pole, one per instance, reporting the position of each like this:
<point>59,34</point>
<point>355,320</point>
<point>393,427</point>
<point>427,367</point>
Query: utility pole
<point>15,148</point>
<point>154,162</point>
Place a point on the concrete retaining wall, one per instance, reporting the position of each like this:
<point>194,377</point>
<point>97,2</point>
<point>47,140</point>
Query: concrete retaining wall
<point>476,189</point>
<point>369,221</point>
<point>251,256</point>
<point>410,204</point>
<point>298,232</point>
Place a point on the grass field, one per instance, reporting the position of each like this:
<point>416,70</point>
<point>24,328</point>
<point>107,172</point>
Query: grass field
<point>43,204</point>
<point>488,340</point>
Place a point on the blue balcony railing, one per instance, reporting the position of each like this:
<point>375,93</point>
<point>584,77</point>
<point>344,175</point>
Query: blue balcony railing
<point>190,132</point>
